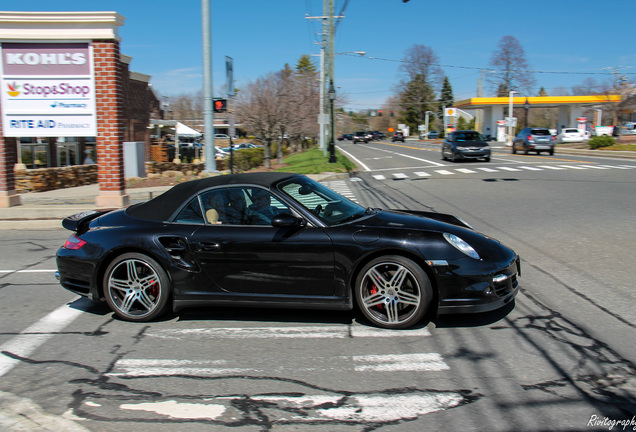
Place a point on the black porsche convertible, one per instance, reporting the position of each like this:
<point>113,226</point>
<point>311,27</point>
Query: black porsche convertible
<point>282,240</point>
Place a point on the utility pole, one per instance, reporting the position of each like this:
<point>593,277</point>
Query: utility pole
<point>208,99</point>
<point>327,54</point>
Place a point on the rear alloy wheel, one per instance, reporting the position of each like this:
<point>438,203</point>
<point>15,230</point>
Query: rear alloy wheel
<point>393,292</point>
<point>136,287</point>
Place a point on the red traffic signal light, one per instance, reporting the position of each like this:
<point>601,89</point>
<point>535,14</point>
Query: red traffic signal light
<point>220,105</point>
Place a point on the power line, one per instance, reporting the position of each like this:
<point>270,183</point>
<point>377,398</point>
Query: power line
<point>483,68</point>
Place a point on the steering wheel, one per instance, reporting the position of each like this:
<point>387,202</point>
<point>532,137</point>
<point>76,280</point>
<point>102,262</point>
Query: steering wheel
<point>317,210</point>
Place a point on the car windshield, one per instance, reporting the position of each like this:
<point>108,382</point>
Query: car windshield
<point>468,136</point>
<point>329,206</point>
<point>540,132</point>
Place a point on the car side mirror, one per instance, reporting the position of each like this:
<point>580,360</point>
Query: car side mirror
<point>286,220</point>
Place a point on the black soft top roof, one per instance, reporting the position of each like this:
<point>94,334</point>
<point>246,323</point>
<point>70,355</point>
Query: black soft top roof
<point>163,206</point>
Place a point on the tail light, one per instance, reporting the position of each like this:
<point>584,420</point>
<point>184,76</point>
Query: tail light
<point>530,138</point>
<point>74,243</point>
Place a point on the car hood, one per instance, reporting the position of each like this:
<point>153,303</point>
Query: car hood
<point>490,249</point>
<point>416,220</point>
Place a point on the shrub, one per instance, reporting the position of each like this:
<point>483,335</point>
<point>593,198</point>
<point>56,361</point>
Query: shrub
<point>601,141</point>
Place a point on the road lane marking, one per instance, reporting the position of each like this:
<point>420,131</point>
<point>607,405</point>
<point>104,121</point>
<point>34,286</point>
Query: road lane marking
<point>400,362</point>
<point>550,167</point>
<point>444,172</point>
<point>465,170</point>
<point>529,168</point>
<point>412,362</point>
<point>508,169</point>
<point>422,174</point>
<point>28,271</point>
<point>306,332</point>
<point>400,175</point>
<point>366,168</point>
<point>30,339</point>
<point>574,167</point>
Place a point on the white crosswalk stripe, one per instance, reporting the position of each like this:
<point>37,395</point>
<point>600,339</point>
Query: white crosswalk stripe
<point>372,362</point>
<point>573,167</point>
<point>517,168</point>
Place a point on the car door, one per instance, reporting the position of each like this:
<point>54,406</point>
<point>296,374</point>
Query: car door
<point>245,256</point>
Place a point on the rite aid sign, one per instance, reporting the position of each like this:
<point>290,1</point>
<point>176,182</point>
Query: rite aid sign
<point>48,90</point>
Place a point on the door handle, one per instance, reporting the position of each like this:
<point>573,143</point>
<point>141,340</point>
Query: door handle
<point>207,246</point>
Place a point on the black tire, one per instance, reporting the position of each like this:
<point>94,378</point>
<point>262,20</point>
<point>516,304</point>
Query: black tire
<point>404,294</point>
<point>136,287</point>
<point>551,152</point>
<point>487,159</point>
<point>514,150</point>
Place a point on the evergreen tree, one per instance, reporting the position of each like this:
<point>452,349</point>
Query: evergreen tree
<point>446,98</point>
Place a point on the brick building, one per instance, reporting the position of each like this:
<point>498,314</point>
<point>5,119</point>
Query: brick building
<point>116,110</point>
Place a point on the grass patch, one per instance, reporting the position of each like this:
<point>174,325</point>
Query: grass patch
<point>313,161</point>
<point>621,147</point>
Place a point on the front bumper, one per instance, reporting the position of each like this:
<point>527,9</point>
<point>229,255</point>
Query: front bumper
<point>469,154</point>
<point>478,293</point>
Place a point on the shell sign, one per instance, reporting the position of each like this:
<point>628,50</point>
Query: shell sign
<point>450,112</point>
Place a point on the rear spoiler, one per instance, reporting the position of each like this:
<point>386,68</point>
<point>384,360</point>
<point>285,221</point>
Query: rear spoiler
<point>75,222</point>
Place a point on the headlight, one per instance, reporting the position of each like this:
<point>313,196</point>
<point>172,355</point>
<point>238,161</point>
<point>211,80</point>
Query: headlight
<point>461,148</point>
<point>484,148</point>
<point>461,245</point>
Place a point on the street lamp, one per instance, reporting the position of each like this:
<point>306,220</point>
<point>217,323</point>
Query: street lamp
<point>332,144</point>
<point>527,107</point>
<point>510,99</point>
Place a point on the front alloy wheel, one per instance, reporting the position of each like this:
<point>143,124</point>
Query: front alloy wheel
<point>136,287</point>
<point>393,292</point>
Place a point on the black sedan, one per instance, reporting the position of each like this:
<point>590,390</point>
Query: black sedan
<point>465,145</point>
<point>282,240</point>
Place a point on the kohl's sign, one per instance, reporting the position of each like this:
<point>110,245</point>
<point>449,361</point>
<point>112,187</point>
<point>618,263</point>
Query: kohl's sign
<point>34,73</point>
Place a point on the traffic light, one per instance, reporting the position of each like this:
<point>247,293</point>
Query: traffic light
<point>379,113</point>
<point>220,105</point>
<point>392,113</point>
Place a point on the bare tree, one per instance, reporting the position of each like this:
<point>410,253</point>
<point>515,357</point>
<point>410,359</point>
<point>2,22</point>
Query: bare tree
<point>258,108</point>
<point>512,71</point>
<point>422,74</point>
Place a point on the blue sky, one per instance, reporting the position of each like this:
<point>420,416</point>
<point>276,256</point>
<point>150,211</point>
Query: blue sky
<point>578,39</point>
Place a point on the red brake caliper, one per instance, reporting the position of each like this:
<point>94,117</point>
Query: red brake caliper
<point>374,289</point>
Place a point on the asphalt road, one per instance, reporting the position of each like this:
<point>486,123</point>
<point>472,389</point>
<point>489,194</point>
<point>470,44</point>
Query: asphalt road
<point>563,358</point>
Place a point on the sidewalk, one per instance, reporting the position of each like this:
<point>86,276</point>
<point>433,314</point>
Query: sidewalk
<point>45,210</point>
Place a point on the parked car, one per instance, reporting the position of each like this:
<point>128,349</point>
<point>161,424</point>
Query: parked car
<point>433,134</point>
<point>343,137</point>
<point>307,247</point>
<point>569,135</point>
<point>360,136</point>
<point>398,136</point>
<point>534,139</point>
<point>465,145</point>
